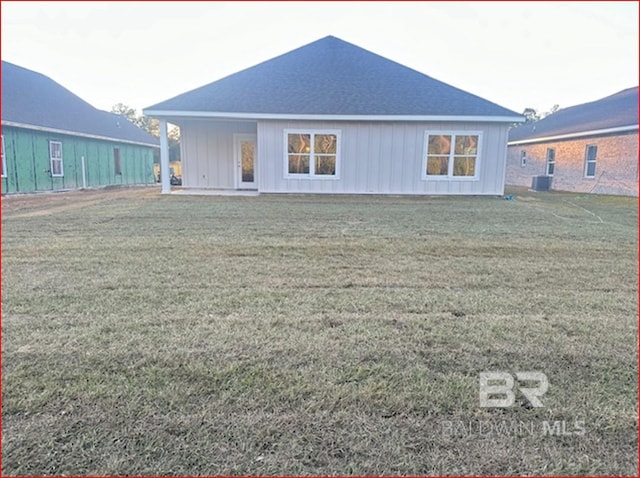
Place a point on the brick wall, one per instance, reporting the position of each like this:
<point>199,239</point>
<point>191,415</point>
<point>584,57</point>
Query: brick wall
<point>616,164</point>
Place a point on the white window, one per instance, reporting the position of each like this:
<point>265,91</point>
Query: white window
<point>451,155</point>
<point>4,164</point>
<point>551,161</point>
<point>523,158</point>
<point>312,154</point>
<point>55,155</point>
<point>590,161</point>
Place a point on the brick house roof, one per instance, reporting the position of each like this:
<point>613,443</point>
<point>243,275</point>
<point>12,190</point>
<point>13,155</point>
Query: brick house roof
<point>619,110</point>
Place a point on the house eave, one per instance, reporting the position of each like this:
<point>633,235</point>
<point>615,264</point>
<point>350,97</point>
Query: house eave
<point>75,133</point>
<point>595,132</point>
<point>317,117</point>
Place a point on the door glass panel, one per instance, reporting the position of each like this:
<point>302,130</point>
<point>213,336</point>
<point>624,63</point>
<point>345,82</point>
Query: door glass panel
<point>248,154</point>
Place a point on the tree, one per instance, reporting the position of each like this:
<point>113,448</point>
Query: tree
<point>553,109</point>
<point>531,115</point>
<point>151,126</point>
<point>173,135</point>
<point>126,111</point>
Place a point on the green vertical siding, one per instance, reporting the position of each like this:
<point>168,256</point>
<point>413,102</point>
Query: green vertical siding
<point>29,169</point>
<point>42,162</point>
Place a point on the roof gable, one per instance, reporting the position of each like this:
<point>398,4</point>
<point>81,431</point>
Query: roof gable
<point>331,77</point>
<point>34,100</point>
<point>616,111</point>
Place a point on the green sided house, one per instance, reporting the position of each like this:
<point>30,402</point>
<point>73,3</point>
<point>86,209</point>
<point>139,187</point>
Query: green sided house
<point>333,118</point>
<point>53,140</point>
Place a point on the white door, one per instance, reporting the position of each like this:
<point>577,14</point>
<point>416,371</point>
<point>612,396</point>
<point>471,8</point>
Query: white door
<point>245,158</point>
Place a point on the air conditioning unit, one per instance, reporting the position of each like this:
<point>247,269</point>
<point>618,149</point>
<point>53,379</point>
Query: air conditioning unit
<point>541,183</point>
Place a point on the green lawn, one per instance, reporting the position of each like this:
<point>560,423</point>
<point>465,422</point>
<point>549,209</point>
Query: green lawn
<point>146,334</point>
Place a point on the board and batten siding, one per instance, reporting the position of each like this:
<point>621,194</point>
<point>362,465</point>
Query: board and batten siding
<point>381,158</point>
<point>207,151</point>
<point>28,163</point>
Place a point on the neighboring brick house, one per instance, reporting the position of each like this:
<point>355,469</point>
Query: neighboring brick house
<point>590,148</point>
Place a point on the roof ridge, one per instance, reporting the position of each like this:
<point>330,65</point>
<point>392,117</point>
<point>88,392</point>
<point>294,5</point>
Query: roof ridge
<point>612,112</point>
<point>625,91</point>
<point>31,99</point>
<point>48,78</point>
<point>619,93</point>
<point>331,76</point>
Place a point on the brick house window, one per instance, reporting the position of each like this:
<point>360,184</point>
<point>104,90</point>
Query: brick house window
<point>551,161</point>
<point>590,161</point>
<point>523,158</point>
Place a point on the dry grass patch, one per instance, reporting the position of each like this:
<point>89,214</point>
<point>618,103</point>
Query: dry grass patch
<point>298,335</point>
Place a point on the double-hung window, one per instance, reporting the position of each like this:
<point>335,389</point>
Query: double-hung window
<point>55,156</point>
<point>590,161</point>
<point>312,154</point>
<point>451,155</point>
<point>4,163</point>
<point>551,161</point>
<point>523,158</point>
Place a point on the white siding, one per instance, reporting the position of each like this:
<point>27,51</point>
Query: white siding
<point>207,152</point>
<point>385,158</point>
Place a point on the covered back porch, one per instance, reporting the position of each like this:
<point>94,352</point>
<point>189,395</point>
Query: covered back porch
<point>217,154</point>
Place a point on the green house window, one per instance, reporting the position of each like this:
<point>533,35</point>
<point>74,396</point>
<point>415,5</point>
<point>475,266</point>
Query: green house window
<point>4,164</point>
<point>55,156</point>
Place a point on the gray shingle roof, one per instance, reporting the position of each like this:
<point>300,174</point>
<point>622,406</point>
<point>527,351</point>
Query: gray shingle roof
<point>615,111</point>
<point>30,98</point>
<point>335,78</point>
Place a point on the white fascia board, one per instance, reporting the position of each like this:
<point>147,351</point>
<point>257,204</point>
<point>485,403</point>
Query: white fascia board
<point>75,133</point>
<point>594,132</point>
<point>301,117</point>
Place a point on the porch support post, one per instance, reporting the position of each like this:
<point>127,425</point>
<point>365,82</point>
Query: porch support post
<point>164,158</point>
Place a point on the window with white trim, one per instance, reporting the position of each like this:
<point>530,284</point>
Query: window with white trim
<point>451,155</point>
<point>312,154</point>
<point>523,158</point>
<point>55,156</point>
<point>4,164</point>
<point>590,161</point>
<point>551,161</point>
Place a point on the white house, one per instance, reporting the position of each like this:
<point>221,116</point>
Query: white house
<point>331,117</point>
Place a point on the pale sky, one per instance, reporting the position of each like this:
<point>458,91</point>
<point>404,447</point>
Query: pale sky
<point>516,54</point>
